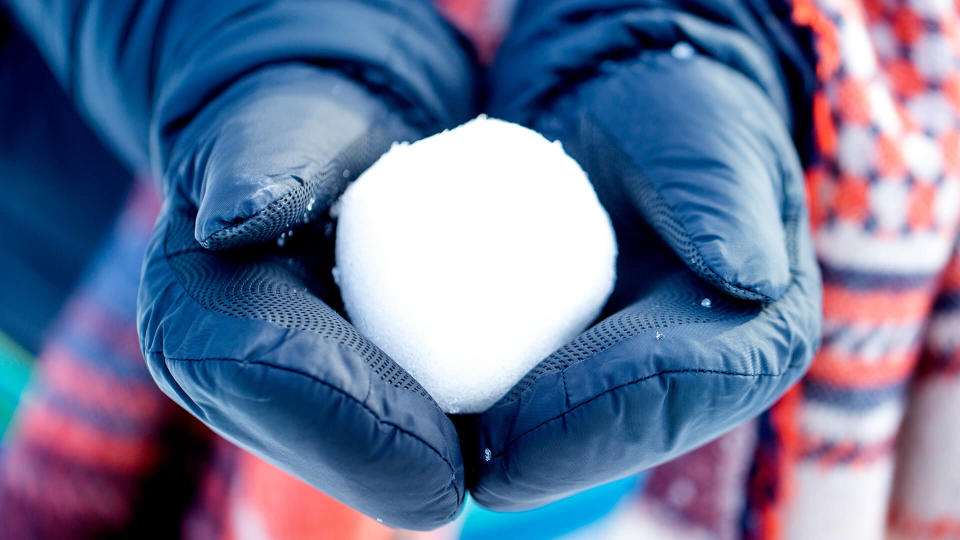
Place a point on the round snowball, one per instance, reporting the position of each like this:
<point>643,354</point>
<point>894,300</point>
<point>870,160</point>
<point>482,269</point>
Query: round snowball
<point>470,256</point>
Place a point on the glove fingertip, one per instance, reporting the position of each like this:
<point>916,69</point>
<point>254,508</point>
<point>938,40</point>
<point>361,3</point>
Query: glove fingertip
<point>755,268</point>
<point>244,213</point>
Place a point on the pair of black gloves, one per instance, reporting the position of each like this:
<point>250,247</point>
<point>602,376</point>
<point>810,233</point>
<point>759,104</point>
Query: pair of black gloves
<point>257,115</point>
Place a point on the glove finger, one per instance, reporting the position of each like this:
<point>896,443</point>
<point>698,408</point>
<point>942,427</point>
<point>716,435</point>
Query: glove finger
<point>242,340</point>
<point>706,167</point>
<point>276,149</point>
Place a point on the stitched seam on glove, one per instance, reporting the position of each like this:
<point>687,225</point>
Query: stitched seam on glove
<point>629,383</point>
<point>339,391</point>
<point>539,370</point>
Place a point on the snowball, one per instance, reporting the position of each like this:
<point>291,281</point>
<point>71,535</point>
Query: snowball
<point>470,256</point>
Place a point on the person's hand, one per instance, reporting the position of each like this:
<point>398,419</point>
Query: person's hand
<point>255,115</point>
<point>246,338</point>
<point>716,309</point>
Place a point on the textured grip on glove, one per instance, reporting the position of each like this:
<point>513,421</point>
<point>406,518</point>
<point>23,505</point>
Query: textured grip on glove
<point>246,340</point>
<point>282,286</point>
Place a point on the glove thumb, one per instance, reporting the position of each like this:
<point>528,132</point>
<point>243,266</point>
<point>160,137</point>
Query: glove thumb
<point>277,148</point>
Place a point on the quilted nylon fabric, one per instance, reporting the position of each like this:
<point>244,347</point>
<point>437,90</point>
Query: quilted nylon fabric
<point>680,124</point>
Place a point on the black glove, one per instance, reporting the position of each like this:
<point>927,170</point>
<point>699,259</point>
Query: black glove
<point>256,115</point>
<point>716,310</point>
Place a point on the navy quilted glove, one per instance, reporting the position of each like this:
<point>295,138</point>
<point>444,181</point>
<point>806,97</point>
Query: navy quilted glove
<point>716,310</point>
<point>256,115</point>
<point>246,338</point>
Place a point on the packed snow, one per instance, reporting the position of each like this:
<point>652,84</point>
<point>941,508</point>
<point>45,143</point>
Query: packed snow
<point>471,255</point>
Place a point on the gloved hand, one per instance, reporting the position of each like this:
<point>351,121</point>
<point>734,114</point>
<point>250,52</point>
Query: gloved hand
<point>716,309</point>
<point>246,338</point>
<point>256,115</point>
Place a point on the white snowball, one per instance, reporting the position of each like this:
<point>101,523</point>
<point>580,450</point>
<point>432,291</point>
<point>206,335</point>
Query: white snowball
<point>470,256</point>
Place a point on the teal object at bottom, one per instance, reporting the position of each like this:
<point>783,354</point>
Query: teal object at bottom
<point>553,520</point>
<point>15,366</point>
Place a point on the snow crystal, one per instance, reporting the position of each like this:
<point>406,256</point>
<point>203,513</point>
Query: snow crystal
<point>683,50</point>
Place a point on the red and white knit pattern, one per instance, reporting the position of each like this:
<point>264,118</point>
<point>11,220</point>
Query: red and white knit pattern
<point>885,197</point>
